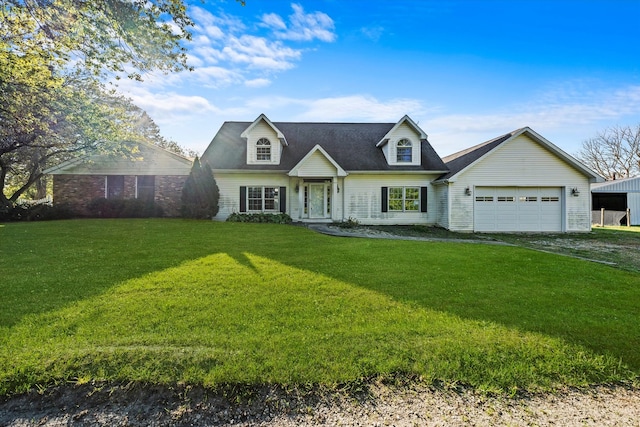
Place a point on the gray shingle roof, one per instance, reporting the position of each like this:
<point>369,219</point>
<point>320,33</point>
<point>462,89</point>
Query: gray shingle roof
<point>351,145</point>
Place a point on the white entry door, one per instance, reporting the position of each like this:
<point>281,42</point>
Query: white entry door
<point>317,201</point>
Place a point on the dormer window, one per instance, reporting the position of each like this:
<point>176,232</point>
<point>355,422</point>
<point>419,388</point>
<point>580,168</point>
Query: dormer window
<point>263,150</point>
<point>404,151</point>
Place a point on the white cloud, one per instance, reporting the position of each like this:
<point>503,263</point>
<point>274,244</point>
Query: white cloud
<point>571,116</point>
<point>341,109</point>
<point>302,26</point>
<point>373,33</point>
<point>215,77</point>
<point>258,52</point>
<point>361,107</point>
<point>257,83</point>
<point>274,21</point>
<point>169,107</point>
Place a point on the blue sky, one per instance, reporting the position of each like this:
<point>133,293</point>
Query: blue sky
<point>466,71</point>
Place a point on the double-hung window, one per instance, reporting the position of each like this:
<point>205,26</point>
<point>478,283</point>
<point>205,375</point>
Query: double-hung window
<point>404,199</point>
<point>263,199</point>
<point>404,151</point>
<point>263,150</point>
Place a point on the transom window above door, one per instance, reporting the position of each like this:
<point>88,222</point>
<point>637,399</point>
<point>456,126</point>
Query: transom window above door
<point>263,150</point>
<point>404,151</point>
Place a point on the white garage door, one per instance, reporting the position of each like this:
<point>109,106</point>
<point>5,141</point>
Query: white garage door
<point>517,209</point>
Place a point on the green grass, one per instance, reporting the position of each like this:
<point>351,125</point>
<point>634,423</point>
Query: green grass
<point>198,302</point>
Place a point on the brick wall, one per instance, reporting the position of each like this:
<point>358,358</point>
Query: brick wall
<point>77,191</point>
<point>169,192</point>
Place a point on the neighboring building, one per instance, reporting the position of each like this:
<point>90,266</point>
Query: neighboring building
<point>388,173</point>
<point>153,174</point>
<point>618,195</point>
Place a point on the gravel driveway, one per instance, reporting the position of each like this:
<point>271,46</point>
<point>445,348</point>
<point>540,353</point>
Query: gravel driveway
<point>380,406</point>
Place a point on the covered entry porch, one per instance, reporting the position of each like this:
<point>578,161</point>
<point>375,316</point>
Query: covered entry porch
<point>317,180</point>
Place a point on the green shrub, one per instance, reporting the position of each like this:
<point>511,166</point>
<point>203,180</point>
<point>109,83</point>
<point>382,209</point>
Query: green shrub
<point>40,212</point>
<point>349,223</point>
<point>123,208</point>
<point>281,218</point>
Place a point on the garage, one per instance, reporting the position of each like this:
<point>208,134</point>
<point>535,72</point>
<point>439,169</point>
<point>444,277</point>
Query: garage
<point>520,209</point>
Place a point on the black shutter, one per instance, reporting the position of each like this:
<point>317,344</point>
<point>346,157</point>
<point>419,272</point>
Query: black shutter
<point>243,199</point>
<point>385,199</point>
<point>423,199</point>
<point>283,199</point>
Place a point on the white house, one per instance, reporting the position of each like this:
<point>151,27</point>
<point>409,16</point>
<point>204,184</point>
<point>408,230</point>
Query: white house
<point>388,173</point>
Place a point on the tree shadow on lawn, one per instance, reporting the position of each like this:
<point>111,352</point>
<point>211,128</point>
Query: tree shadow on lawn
<point>49,265</point>
<point>581,302</point>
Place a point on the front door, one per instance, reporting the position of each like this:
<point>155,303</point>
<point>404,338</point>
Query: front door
<point>316,201</point>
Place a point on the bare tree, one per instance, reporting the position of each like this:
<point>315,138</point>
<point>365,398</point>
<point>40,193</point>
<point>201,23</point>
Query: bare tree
<point>613,153</point>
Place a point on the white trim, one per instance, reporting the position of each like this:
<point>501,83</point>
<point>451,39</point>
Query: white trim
<point>406,118</point>
<point>263,117</point>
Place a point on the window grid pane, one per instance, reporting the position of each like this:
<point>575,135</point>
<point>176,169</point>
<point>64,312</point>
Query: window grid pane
<point>254,196</point>
<point>263,149</point>
<point>404,199</point>
<point>404,151</point>
<point>263,198</point>
<point>412,199</point>
<point>395,199</point>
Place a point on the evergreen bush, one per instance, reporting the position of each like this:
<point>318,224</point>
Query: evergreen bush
<point>200,194</point>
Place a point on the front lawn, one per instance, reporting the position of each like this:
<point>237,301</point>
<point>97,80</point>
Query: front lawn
<point>198,302</point>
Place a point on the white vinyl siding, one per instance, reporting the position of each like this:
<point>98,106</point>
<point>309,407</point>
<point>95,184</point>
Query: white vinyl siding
<point>521,162</point>
<point>230,183</point>
<point>442,201</point>
<point>363,198</point>
<point>317,165</point>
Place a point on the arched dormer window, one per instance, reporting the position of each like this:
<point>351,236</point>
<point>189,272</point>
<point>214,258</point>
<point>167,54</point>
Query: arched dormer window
<point>263,150</point>
<point>404,151</point>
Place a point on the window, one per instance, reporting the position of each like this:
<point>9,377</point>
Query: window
<point>404,199</point>
<point>115,187</point>
<point>528,199</point>
<point>145,187</point>
<point>263,198</point>
<point>484,198</point>
<point>404,151</point>
<point>550,199</point>
<point>263,150</point>
<point>506,199</point>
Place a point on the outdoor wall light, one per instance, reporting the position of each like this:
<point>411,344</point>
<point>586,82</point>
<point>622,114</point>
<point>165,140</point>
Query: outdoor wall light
<point>297,188</point>
<point>575,192</point>
<point>467,191</point>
